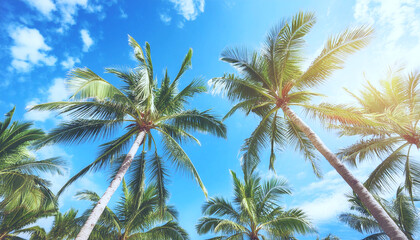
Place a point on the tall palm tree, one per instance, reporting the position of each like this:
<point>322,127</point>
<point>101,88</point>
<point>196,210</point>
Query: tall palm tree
<point>99,108</point>
<point>401,209</point>
<point>65,226</point>
<point>136,216</point>
<point>20,183</point>
<point>394,132</point>
<point>272,81</point>
<point>254,213</point>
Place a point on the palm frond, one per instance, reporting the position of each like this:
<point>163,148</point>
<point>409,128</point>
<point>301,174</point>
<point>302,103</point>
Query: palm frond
<point>332,56</point>
<point>180,159</point>
<point>304,145</point>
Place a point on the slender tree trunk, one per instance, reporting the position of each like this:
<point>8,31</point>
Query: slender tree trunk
<point>384,220</point>
<point>102,203</point>
<point>3,235</point>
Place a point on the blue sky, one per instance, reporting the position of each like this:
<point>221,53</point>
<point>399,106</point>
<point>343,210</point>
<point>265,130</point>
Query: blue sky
<point>42,39</point>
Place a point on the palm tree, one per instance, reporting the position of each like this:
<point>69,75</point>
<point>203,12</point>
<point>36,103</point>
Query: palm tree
<point>401,209</point>
<point>393,111</point>
<point>329,237</point>
<point>272,81</point>
<point>12,221</point>
<point>20,183</point>
<point>254,213</point>
<point>136,216</point>
<point>65,226</point>
<point>99,108</point>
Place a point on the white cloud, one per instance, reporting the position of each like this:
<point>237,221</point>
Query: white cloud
<point>56,92</point>
<point>180,24</point>
<point>44,6</point>
<point>327,195</point>
<point>39,116</point>
<point>123,14</point>
<point>87,40</point>
<point>69,62</point>
<point>69,8</point>
<point>397,26</point>
<point>65,11</point>
<point>328,198</point>
<point>189,9</point>
<point>29,49</point>
<point>165,18</point>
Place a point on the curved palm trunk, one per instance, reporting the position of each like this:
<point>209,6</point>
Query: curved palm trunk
<point>385,222</point>
<point>102,203</point>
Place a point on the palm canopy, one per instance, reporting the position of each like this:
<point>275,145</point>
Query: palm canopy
<point>65,226</point>
<point>401,209</point>
<point>20,183</point>
<point>254,212</point>
<point>98,109</point>
<point>386,119</point>
<point>136,216</point>
<point>274,78</point>
<point>13,221</point>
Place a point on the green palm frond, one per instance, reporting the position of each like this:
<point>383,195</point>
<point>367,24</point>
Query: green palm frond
<point>367,149</point>
<point>401,209</point>
<point>20,181</point>
<point>340,114</point>
<point>180,159</point>
<point>198,121</point>
<point>253,212</point>
<point>136,215</point>
<point>84,84</point>
<point>304,145</point>
<point>360,223</point>
<point>80,130</point>
<point>159,176</point>
<point>289,44</point>
<point>385,173</point>
<point>336,49</point>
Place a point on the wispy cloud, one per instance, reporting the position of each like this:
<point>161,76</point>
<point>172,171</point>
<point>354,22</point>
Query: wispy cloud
<point>189,9</point>
<point>45,7</point>
<point>123,14</point>
<point>29,49</point>
<point>69,62</point>
<point>397,28</point>
<point>87,40</point>
<point>165,18</point>
<point>56,92</point>
<point>64,11</point>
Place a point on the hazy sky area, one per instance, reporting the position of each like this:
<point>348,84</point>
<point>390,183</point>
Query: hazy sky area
<point>41,40</point>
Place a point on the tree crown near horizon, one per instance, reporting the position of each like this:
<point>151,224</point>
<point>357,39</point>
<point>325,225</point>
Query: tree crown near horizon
<point>254,212</point>
<point>136,216</point>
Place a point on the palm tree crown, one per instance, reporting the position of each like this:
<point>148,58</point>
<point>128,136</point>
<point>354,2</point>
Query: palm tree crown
<point>136,216</point>
<point>65,226</point>
<point>387,120</point>
<point>20,183</point>
<point>99,109</point>
<point>401,209</point>
<point>273,78</point>
<point>254,213</point>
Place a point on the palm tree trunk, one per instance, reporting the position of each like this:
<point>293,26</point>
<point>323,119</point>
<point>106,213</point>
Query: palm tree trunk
<point>3,235</point>
<point>102,203</point>
<point>384,220</point>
